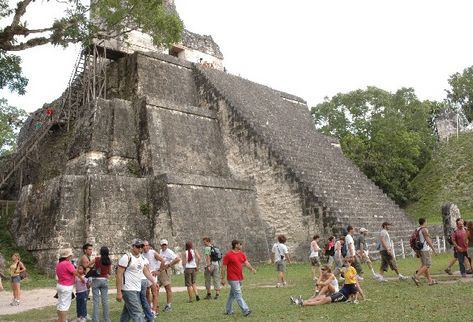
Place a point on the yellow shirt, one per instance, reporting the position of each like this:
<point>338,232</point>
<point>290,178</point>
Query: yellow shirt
<point>350,275</point>
<point>14,269</point>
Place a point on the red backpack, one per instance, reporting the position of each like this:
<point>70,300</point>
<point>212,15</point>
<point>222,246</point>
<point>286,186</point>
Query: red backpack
<point>414,241</point>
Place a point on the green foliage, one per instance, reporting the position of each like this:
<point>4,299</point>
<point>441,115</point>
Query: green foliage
<point>11,120</point>
<point>10,73</point>
<point>111,18</point>
<point>461,91</point>
<point>389,136</point>
<point>448,177</point>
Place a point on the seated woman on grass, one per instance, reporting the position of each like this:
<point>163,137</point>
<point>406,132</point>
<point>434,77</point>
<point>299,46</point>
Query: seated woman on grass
<point>349,288</point>
<point>327,283</point>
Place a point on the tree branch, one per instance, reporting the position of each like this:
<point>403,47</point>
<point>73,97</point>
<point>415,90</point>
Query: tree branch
<point>25,45</point>
<point>19,12</point>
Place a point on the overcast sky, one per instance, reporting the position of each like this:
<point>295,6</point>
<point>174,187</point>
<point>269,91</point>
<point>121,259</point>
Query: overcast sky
<point>308,48</point>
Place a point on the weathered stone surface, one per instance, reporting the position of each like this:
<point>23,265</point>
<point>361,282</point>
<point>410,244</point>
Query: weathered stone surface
<point>188,152</point>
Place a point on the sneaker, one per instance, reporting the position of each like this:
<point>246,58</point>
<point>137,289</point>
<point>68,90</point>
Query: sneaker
<point>208,297</point>
<point>216,296</point>
<point>293,300</point>
<point>448,271</point>
<point>284,284</point>
<point>402,277</point>
<point>197,298</point>
<point>356,302</point>
<point>382,279</point>
<point>278,285</point>
<point>469,271</point>
<point>229,313</point>
<point>88,317</point>
<point>247,313</point>
<point>416,281</point>
<point>167,308</point>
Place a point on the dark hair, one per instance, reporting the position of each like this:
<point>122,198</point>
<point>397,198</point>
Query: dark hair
<point>104,256</point>
<point>315,237</point>
<point>85,269</point>
<point>86,245</point>
<point>331,238</point>
<point>189,245</point>
<point>458,219</point>
<point>206,239</point>
<point>421,221</point>
<point>282,239</point>
<point>234,243</point>
<point>350,227</point>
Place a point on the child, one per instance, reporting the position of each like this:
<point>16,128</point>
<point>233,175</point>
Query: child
<point>81,294</point>
<point>348,289</point>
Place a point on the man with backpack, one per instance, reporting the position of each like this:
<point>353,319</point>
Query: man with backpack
<point>280,256</point>
<point>131,267</point>
<point>424,242</point>
<point>212,257</point>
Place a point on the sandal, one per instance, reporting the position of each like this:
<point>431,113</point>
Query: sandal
<point>415,280</point>
<point>434,282</point>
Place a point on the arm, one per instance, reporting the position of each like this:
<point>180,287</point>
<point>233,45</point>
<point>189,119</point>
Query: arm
<point>160,259</point>
<point>175,260</point>
<point>248,265</point>
<point>288,258</point>
<point>119,282</point>
<point>148,275</point>
<point>199,258</point>
<point>272,257</point>
<point>428,240</point>
<point>385,244</point>
<point>222,274</point>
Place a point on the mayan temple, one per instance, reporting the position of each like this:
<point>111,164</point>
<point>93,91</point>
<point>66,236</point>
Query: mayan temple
<point>166,144</point>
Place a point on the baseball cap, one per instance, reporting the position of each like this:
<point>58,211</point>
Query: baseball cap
<point>163,242</point>
<point>137,242</point>
<point>363,230</point>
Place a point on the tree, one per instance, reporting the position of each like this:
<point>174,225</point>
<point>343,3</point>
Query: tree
<point>11,120</point>
<point>389,136</point>
<point>461,91</point>
<point>111,18</point>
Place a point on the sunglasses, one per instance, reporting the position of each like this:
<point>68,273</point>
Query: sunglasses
<point>138,246</point>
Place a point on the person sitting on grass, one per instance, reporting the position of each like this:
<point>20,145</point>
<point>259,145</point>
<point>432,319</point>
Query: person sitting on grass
<point>327,283</point>
<point>349,288</point>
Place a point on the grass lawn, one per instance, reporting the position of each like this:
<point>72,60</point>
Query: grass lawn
<point>451,300</point>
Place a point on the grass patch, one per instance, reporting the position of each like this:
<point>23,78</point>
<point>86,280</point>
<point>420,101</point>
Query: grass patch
<point>446,178</point>
<point>392,301</point>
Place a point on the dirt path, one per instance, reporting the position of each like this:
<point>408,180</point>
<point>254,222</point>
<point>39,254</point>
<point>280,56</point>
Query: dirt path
<point>42,297</point>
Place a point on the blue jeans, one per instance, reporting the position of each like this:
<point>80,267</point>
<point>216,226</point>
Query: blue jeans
<point>461,261</point>
<point>144,302</point>
<point>235,294</point>
<point>81,304</point>
<point>100,286</point>
<point>132,309</point>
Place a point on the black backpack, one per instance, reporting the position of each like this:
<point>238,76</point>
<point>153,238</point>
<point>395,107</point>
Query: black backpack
<point>215,254</point>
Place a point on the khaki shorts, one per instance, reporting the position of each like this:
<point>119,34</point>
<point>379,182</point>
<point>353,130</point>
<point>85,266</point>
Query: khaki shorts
<point>387,260</point>
<point>426,258</point>
<point>314,261</point>
<point>164,278</point>
<point>281,266</point>
<point>189,276</point>
<point>212,273</point>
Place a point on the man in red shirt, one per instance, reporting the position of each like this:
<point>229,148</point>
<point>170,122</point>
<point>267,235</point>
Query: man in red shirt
<point>460,242</point>
<point>233,262</point>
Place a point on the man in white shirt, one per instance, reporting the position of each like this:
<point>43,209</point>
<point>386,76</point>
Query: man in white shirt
<point>387,254</point>
<point>164,277</point>
<point>352,252</point>
<point>131,267</point>
<point>155,261</point>
<point>280,255</point>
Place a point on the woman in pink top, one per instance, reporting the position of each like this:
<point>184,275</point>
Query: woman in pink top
<point>65,273</point>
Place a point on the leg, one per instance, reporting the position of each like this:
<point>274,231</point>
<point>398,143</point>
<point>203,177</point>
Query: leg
<point>104,296</point>
<point>229,305</point>
<point>461,262</point>
<point>144,303</point>
<point>216,280</point>
<point>96,300</point>
<point>236,289</point>
<point>168,294</point>
<point>132,309</point>
<point>81,301</point>
<point>207,277</point>
<point>319,300</point>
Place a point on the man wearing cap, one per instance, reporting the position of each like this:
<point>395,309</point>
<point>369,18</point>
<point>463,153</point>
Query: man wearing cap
<point>131,267</point>
<point>164,277</point>
<point>362,250</point>
<point>387,254</point>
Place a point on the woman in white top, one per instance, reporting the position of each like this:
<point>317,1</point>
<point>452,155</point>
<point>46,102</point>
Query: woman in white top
<point>314,256</point>
<point>191,261</point>
<point>327,284</point>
